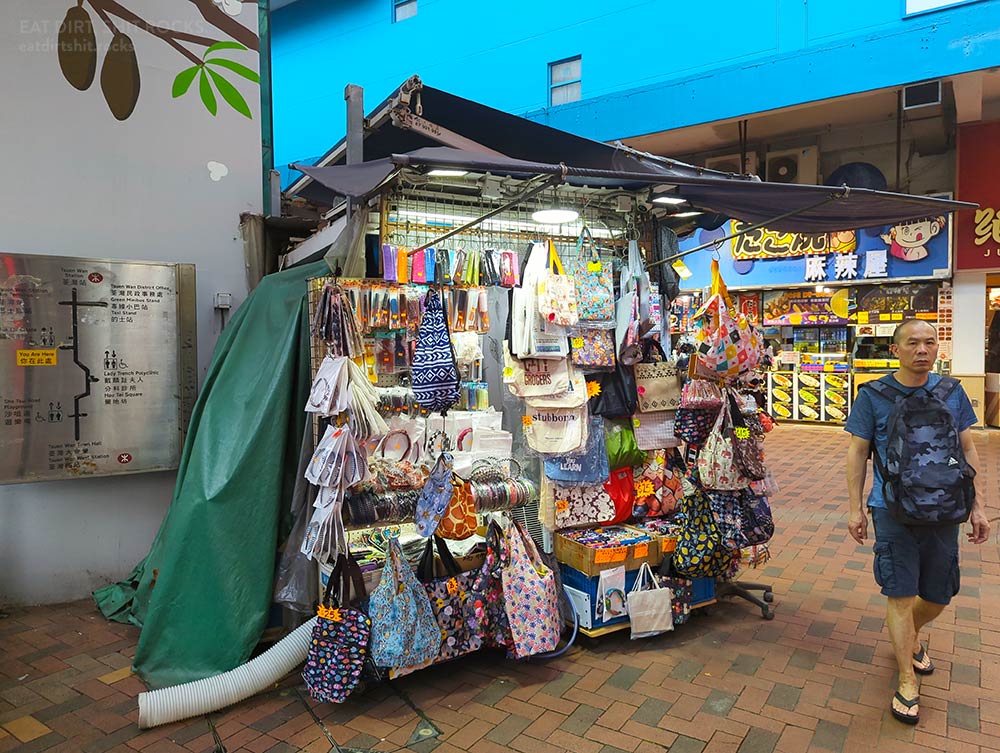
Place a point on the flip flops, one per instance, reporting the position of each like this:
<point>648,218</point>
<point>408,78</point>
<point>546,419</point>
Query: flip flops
<point>918,662</point>
<point>909,703</point>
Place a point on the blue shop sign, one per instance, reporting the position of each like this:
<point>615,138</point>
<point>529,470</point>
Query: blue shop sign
<point>767,259</point>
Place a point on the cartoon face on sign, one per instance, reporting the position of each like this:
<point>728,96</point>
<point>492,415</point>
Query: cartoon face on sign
<point>908,240</point>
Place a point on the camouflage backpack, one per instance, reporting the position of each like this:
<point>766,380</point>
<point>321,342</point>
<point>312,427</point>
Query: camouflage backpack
<point>925,477</point>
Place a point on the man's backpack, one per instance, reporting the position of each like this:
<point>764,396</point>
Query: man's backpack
<point>926,479</point>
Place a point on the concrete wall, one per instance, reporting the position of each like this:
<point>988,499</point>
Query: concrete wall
<point>79,182</point>
<point>646,66</point>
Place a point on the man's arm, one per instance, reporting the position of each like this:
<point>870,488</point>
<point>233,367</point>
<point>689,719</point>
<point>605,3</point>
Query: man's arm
<point>978,520</point>
<point>857,468</point>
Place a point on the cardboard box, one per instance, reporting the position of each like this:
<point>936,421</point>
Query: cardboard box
<point>592,561</point>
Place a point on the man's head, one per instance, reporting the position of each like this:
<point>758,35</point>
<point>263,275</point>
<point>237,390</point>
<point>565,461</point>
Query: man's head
<point>915,344</point>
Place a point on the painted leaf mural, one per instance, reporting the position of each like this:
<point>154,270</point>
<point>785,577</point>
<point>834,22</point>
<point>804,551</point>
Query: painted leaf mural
<point>217,68</point>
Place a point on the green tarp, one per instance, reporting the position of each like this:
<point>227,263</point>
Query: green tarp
<point>203,593</point>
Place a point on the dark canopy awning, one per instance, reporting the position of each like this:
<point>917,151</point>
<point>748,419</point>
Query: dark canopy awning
<point>812,209</point>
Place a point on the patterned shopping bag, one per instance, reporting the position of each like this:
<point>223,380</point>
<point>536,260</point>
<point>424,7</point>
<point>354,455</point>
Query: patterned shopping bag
<point>658,484</point>
<point>531,600</point>
<point>434,372</point>
<point>557,301</point>
<point>594,289</point>
<point>485,605</point>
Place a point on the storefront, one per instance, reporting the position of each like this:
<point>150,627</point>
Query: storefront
<point>829,303</point>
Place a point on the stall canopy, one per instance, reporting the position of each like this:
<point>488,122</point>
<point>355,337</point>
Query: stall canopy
<point>808,209</point>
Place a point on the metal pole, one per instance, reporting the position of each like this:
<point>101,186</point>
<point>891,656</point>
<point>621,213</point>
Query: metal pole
<point>355,124</point>
<point>751,228</point>
<point>554,180</point>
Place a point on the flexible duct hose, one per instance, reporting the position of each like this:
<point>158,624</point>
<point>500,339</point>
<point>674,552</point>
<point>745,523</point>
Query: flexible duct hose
<point>204,696</point>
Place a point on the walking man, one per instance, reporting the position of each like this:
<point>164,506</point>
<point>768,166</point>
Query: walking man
<point>917,421</point>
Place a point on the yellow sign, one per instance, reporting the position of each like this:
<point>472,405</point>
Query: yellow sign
<point>46,357</point>
<point>762,243</point>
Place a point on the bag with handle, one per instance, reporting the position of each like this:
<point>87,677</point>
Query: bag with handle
<point>717,464</point>
<point>747,446</point>
<point>727,511</point>
<point>758,524</point>
<point>581,504</point>
<point>435,496</point>
<point>404,631</point>
<point>537,377</point>
<point>700,551</point>
<point>657,381</point>
<point>649,609</point>
<point>623,451</point>
<point>589,467</point>
<point>339,645</point>
<point>556,431</point>
<point>557,292</point>
<point>532,603</point>
<point>595,293</point>
<point>434,372</point>
<point>693,425</point>
<point>485,606</point>
<point>530,335</point>
<point>701,393</point>
<point>632,307</point>
<point>459,520</point>
<point>593,349</point>
<point>655,431</point>
<point>658,487</point>
<point>621,488</point>
<point>728,344</point>
<point>613,393</point>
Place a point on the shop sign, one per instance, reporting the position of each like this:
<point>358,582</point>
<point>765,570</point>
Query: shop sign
<point>977,232</point>
<point>799,307</point>
<point>916,250</point>
<point>749,306</point>
<point>894,303</point>
<point>762,243</point>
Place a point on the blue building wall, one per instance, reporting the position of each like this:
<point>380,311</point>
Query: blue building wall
<point>646,66</point>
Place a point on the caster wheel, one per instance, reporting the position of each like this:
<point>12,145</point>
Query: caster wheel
<point>769,596</point>
<point>768,613</point>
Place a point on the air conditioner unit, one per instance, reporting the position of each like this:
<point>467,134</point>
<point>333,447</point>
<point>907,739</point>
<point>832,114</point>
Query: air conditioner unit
<point>793,165</point>
<point>730,163</point>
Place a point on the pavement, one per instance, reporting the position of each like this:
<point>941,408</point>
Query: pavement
<point>817,677</point>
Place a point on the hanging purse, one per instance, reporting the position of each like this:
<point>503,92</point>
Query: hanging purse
<point>340,637</point>
<point>557,292</point>
<point>595,293</point>
<point>434,372</point>
<point>531,600</point>
<point>649,610</point>
<point>657,381</point>
<point>404,631</point>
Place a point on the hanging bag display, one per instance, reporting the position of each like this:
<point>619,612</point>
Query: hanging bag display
<point>434,372</point>
<point>590,467</point>
<point>404,631</point>
<point>594,288</point>
<point>557,292</point>
<point>459,520</point>
<point>649,610</point>
<point>699,551</point>
<point>340,638</point>
<point>657,381</point>
<point>655,431</point>
<point>728,345</point>
<point>593,349</point>
<point>717,464</point>
<point>435,496</point>
<point>485,606</point>
<point>530,597</point>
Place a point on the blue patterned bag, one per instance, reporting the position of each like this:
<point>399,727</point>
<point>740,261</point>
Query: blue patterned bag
<point>435,496</point>
<point>589,467</point>
<point>404,630</point>
<point>434,372</point>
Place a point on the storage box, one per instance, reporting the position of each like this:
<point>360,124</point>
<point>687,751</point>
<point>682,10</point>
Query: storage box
<point>702,591</point>
<point>593,561</point>
<point>582,591</point>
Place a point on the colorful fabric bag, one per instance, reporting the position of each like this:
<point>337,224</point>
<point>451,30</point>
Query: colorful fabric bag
<point>404,631</point>
<point>727,511</point>
<point>649,610</point>
<point>595,293</point>
<point>435,496</point>
<point>728,344</point>
<point>459,520</point>
<point>557,303</point>
<point>717,464</point>
<point>339,645</point>
<point>655,431</point>
<point>693,425</point>
<point>701,393</point>
<point>621,488</point>
<point>434,372</point>
<point>486,606</point>
<point>758,524</point>
<point>529,591</point>
<point>581,504</point>
<point>593,349</point>
<point>657,382</point>
<point>658,484</point>
<point>590,467</point>
<point>623,451</point>
<point>747,446</point>
<point>681,591</point>
<point>699,551</point>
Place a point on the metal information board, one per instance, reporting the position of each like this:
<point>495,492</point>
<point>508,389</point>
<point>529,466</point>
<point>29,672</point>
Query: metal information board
<point>98,366</point>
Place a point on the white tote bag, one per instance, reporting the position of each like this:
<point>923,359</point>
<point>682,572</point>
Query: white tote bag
<point>556,431</point>
<point>649,606</point>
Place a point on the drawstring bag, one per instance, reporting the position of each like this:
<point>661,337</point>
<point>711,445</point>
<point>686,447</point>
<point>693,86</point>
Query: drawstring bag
<point>339,644</point>
<point>595,293</point>
<point>404,631</point>
<point>529,591</point>
<point>649,609</point>
<point>557,292</point>
<point>434,372</point>
<point>435,496</point>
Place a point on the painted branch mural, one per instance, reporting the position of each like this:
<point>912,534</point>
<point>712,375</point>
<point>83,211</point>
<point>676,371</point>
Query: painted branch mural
<point>214,68</point>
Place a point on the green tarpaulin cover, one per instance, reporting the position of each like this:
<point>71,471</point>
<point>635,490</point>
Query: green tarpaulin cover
<point>203,593</point>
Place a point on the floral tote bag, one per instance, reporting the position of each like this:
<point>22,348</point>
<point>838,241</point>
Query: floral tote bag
<point>404,631</point>
<point>581,504</point>
<point>485,606</point>
<point>593,349</point>
<point>594,289</point>
<point>532,603</point>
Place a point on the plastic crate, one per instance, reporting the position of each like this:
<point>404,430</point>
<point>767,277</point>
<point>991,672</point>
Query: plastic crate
<point>587,584</point>
<point>702,590</point>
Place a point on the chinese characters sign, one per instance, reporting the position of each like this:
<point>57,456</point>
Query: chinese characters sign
<point>762,243</point>
<point>97,373</point>
<point>977,241</point>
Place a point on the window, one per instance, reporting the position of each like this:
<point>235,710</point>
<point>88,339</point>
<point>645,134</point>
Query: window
<point>564,81</point>
<point>403,9</point>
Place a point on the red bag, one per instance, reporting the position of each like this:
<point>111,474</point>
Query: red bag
<point>620,486</point>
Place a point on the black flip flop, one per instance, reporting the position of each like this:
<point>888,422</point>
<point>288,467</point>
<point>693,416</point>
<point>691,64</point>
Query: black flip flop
<point>909,703</point>
<point>919,657</point>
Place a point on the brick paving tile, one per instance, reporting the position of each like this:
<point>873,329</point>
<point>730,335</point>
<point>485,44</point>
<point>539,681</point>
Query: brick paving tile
<point>816,678</point>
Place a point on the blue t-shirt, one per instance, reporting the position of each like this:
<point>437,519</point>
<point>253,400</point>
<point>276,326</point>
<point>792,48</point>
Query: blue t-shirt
<point>870,414</point>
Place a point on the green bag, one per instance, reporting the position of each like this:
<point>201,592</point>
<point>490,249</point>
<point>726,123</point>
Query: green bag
<point>623,450</point>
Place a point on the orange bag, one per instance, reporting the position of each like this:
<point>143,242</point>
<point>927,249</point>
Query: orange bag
<point>459,521</point>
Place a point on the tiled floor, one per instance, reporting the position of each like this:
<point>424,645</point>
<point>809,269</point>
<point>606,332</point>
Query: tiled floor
<point>815,678</point>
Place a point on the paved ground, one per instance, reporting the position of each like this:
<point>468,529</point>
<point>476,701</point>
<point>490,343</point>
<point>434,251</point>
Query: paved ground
<point>816,678</point>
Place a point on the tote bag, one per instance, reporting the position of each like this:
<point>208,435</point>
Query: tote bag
<point>537,377</point>
<point>589,467</point>
<point>434,372</point>
<point>556,431</point>
<point>699,552</point>
<point>557,292</point>
<point>657,382</point>
<point>486,607</point>
<point>595,293</point>
<point>728,345</point>
<point>404,631</point>
<point>529,590</point>
<point>581,504</point>
<point>717,464</point>
<point>655,431</point>
<point>649,609</point>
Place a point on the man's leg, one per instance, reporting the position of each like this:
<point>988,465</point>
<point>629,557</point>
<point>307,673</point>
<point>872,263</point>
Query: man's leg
<point>900,622</point>
<point>923,613</point>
